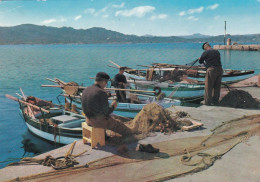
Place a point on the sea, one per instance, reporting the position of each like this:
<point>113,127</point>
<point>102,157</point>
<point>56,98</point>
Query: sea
<point>26,67</point>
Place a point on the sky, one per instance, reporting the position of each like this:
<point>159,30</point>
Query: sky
<point>138,17</point>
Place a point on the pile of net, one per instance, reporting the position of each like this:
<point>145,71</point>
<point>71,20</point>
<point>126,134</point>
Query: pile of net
<point>154,118</point>
<point>239,99</point>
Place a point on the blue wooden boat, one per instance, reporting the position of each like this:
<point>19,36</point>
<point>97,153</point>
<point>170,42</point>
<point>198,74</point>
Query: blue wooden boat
<point>128,109</point>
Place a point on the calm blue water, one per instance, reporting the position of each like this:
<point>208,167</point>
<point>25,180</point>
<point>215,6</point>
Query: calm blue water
<point>27,66</point>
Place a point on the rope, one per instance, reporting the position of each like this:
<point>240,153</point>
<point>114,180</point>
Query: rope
<point>61,162</point>
<point>173,92</point>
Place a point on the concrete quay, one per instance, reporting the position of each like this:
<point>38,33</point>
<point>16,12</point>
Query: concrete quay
<point>239,164</point>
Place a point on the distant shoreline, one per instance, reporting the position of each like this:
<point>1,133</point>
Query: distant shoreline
<point>34,34</point>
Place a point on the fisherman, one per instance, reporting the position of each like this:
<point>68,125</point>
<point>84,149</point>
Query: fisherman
<point>120,82</point>
<point>97,110</point>
<point>211,59</point>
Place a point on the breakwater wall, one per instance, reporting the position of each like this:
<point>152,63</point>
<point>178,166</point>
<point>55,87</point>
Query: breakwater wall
<point>238,47</point>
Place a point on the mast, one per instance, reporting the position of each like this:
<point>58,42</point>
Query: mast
<point>225,34</point>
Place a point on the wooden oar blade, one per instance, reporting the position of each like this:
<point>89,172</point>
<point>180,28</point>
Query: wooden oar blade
<point>55,81</point>
<point>11,97</point>
<point>24,102</point>
<point>114,64</point>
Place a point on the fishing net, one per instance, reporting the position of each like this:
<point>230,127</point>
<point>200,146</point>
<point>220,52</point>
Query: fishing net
<point>176,158</point>
<point>152,118</point>
<point>239,99</point>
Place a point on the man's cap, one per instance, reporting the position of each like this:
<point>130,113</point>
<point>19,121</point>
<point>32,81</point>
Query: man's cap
<point>122,68</point>
<point>102,75</point>
<point>206,44</point>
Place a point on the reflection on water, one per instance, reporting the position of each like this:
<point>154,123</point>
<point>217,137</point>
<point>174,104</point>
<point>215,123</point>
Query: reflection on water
<point>33,145</point>
<point>29,147</point>
<point>226,58</point>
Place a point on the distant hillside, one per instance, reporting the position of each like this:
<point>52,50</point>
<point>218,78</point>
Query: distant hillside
<point>194,36</point>
<point>34,34</point>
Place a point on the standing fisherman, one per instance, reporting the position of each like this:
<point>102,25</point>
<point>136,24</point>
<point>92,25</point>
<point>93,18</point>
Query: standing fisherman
<point>211,59</point>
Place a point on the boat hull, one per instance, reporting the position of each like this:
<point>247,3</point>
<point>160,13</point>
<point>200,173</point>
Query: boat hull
<point>131,109</point>
<point>227,79</point>
<point>183,92</point>
<point>52,134</point>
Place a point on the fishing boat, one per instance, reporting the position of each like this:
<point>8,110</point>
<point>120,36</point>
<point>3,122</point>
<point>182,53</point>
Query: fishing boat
<point>181,82</point>
<point>135,101</point>
<point>195,73</point>
<point>186,90</point>
<point>53,124</point>
<point>228,77</point>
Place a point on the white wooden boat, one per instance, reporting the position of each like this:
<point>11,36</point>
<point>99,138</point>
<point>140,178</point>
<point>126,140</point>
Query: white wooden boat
<point>187,92</point>
<point>229,76</point>
<point>194,73</point>
<point>54,124</point>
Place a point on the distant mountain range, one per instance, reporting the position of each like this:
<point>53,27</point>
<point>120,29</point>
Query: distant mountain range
<point>34,34</point>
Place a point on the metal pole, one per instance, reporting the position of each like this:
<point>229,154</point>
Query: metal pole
<point>225,35</point>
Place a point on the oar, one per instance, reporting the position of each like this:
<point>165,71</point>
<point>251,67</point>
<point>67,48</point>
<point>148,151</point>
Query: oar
<point>60,81</point>
<point>74,96</point>
<point>145,66</point>
<point>114,64</point>
<point>120,89</point>
<point>57,86</point>
<point>55,81</point>
<point>131,90</point>
<point>26,103</point>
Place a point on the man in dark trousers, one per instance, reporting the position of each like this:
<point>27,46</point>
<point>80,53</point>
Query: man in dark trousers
<point>211,59</point>
<point>120,82</point>
<point>96,107</point>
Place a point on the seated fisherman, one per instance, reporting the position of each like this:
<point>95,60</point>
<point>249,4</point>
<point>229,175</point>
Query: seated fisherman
<point>120,82</point>
<point>97,110</point>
